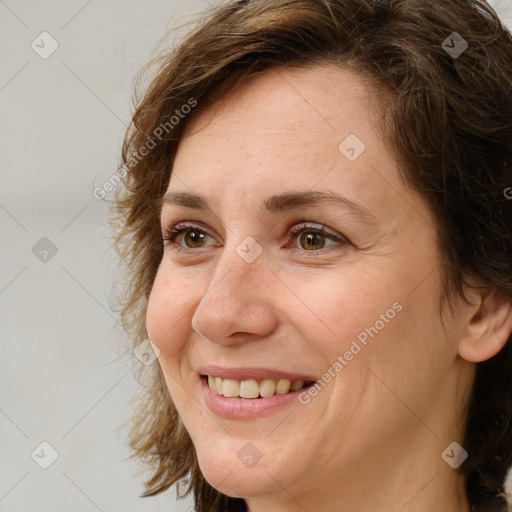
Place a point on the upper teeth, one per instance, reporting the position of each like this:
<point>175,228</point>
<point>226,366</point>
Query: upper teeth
<point>251,388</point>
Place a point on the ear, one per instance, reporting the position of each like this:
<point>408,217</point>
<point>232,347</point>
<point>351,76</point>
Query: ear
<point>489,327</point>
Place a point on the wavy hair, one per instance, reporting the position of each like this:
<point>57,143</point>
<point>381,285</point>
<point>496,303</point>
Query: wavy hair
<point>448,124</point>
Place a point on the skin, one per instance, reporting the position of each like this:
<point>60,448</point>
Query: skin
<point>372,438</point>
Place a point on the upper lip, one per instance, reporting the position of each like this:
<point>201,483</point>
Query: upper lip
<point>251,373</point>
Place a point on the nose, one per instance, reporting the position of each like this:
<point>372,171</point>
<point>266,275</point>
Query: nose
<point>237,305</point>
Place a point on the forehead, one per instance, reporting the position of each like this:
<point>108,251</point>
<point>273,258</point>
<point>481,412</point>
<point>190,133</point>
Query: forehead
<point>289,129</point>
<point>322,95</point>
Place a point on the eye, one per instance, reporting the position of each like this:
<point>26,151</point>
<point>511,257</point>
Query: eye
<point>312,239</point>
<point>193,236</point>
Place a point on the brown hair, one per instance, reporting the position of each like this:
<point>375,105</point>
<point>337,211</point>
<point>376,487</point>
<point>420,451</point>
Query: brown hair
<point>449,126</point>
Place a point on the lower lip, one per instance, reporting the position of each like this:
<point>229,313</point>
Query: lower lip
<point>245,407</point>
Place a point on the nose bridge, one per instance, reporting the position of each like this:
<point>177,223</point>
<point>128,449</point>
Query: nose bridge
<point>233,279</point>
<point>232,276</point>
<point>240,266</point>
<point>235,300</point>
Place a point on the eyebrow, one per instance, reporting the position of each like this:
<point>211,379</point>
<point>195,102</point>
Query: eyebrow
<point>276,203</point>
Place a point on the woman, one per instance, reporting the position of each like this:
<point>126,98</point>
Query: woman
<point>318,242</point>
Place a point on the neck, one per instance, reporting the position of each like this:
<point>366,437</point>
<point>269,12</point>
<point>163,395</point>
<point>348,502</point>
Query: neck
<point>415,493</point>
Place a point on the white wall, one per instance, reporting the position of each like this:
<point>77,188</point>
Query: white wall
<point>62,122</point>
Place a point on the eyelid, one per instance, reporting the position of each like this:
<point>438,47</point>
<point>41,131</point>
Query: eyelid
<point>170,233</point>
<point>305,226</point>
<point>320,228</point>
<point>179,228</point>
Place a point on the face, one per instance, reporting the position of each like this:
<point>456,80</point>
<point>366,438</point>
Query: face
<point>308,259</point>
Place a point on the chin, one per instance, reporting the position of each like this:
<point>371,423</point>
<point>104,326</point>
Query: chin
<point>223,467</point>
<point>243,484</point>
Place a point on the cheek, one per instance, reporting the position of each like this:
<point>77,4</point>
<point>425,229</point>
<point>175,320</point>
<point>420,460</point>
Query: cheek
<point>376,320</point>
<point>169,314</point>
<point>334,312</point>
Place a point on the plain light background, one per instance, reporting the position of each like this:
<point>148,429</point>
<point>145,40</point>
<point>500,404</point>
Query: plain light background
<point>62,122</point>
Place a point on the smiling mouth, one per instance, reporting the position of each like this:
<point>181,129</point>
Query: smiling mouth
<point>252,388</point>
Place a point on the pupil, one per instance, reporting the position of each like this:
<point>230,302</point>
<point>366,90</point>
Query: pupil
<point>311,238</point>
<point>193,237</point>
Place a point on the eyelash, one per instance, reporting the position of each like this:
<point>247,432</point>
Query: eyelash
<point>174,231</point>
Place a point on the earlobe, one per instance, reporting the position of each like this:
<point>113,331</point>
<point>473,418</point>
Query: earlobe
<point>489,328</point>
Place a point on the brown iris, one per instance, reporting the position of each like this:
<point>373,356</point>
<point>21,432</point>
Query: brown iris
<point>193,237</point>
<point>309,238</point>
